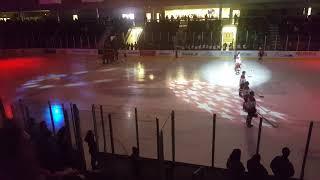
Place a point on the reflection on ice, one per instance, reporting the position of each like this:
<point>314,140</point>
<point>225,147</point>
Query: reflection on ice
<point>225,102</point>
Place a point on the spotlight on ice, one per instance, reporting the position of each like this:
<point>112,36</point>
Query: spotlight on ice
<point>222,73</point>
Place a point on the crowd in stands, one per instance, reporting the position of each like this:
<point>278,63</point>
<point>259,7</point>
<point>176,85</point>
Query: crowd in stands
<point>53,34</point>
<point>36,154</point>
<point>158,34</point>
<point>303,28</point>
<point>295,32</point>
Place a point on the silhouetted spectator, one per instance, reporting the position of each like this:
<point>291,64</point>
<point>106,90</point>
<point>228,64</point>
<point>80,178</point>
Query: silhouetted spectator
<point>236,19</point>
<point>135,46</point>
<point>235,166</point>
<point>48,150</point>
<point>281,167</point>
<point>92,149</point>
<point>135,161</point>
<point>225,46</point>
<point>64,145</point>
<point>255,169</point>
<point>131,46</point>
<point>43,130</point>
<point>33,128</point>
<point>17,159</point>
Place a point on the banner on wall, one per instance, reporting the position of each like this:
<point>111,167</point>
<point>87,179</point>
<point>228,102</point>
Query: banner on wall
<point>165,53</point>
<point>49,1</point>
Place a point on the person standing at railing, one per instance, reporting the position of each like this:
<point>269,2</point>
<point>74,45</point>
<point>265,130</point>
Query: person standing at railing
<point>281,166</point>
<point>235,166</point>
<point>92,144</point>
<point>255,169</point>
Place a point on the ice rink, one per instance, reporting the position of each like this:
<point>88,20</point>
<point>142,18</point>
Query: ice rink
<point>287,93</point>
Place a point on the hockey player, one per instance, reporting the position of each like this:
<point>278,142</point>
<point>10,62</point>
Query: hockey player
<point>250,106</point>
<point>245,90</point>
<point>237,59</point>
<point>242,82</point>
<point>261,53</point>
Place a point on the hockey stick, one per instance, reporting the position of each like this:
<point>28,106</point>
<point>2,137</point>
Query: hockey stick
<point>274,125</point>
<point>268,121</point>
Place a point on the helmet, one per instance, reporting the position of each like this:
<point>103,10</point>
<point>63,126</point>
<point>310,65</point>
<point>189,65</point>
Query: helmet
<point>252,93</point>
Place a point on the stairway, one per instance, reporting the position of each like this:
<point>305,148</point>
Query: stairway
<point>104,36</point>
<point>273,37</point>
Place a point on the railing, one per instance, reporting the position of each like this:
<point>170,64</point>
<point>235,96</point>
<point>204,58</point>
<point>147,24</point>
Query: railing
<point>181,136</point>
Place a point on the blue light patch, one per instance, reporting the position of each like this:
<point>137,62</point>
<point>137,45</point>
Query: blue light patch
<point>58,118</point>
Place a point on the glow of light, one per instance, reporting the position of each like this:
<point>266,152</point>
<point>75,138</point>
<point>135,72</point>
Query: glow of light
<point>235,12</point>
<point>228,35</point>
<point>225,13</point>
<point>4,19</point>
<point>148,16</point>
<point>134,34</point>
<point>102,80</point>
<point>128,16</point>
<point>46,86</point>
<point>8,111</point>
<point>80,72</point>
<point>180,79</point>
<point>57,114</point>
<point>309,11</point>
<point>30,86</point>
<point>151,77</point>
<point>229,105</point>
<point>76,84</point>
<point>75,17</point>
<point>211,12</point>
<point>129,114</point>
<point>139,72</point>
<point>222,74</point>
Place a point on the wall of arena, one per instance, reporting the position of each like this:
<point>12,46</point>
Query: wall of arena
<point>168,53</point>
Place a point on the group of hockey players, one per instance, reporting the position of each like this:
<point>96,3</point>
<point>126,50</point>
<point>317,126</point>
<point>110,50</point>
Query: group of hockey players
<point>249,104</point>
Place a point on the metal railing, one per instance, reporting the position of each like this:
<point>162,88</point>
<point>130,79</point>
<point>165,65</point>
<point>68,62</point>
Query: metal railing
<point>182,136</point>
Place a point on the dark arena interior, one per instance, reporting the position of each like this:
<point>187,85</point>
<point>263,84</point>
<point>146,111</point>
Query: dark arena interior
<point>159,89</point>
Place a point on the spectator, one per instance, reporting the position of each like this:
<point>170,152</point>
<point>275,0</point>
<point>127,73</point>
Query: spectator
<point>92,149</point>
<point>231,46</point>
<point>236,19</point>
<point>135,46</point>
<point>16,153</point>
<point>281,167</point>
<point>131,46</point>
<point>255,169</point>
<point>135,161</point>
<point>225,46</point>
<point>47,149</point>
<point>235,166</point>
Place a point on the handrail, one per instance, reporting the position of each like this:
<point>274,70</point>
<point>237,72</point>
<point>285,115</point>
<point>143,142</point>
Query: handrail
<point>198,172</point>
<point>165,122</point>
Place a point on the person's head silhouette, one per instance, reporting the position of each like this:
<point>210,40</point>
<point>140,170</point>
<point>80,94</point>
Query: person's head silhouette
<point>285,152</point>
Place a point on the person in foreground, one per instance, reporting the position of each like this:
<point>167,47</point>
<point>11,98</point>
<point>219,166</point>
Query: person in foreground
<point>255,169</point>
<point>235,166</point>
<point>281,166</point>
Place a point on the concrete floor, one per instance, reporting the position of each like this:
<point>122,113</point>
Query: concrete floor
<point>287,93</point>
